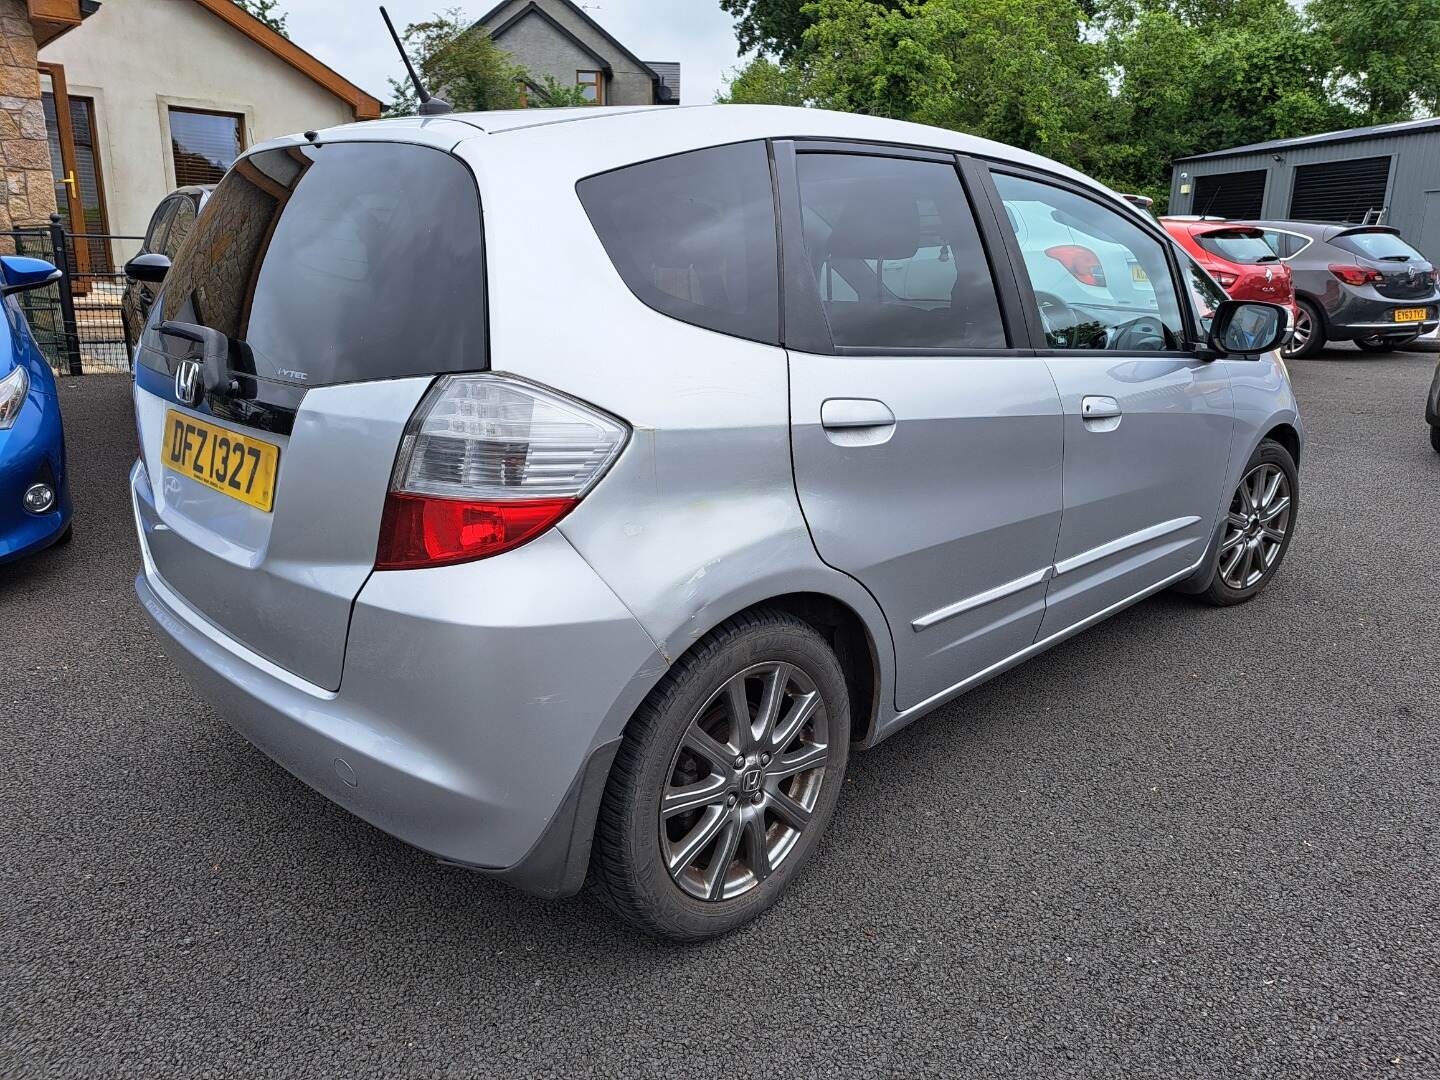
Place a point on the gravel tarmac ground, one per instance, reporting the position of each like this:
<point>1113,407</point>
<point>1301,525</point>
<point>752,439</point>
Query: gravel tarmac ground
<point>1188,843</point>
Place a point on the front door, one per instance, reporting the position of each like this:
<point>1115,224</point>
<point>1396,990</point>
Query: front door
<point>75,164</point>
<point>927,450</point>
<point>1147,422</point>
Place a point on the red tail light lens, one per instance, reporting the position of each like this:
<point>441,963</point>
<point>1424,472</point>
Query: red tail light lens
<point>1082,263</point>
<point>1356,275</point>
<point>1225,279</point>
<point>488,463</point>
<point>423,530</point>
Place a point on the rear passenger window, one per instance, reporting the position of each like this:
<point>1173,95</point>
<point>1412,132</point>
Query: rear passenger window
<point>693,236</point>
<point>896,254</point>
<point>180,226</point>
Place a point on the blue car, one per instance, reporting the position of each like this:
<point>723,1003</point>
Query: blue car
<point>34,491</point>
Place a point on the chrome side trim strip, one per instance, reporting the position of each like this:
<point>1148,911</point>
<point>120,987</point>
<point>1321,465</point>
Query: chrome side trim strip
<point>1122,543</point>
<point>900,719</point>
<point>989,596</point>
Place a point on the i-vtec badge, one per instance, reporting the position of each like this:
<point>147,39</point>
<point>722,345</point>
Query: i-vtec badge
<point>298,376</point>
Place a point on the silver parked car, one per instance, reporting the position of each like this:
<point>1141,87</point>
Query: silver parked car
<point>583,538</point>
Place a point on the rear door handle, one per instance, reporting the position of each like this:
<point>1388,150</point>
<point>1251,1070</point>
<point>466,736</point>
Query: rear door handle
<point>1095,407</point>
<point>839,413</point>
<point>1099,413</point>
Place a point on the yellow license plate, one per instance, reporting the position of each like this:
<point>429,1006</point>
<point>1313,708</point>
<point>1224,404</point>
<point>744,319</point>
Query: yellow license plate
<point>240,466</point>
<point>1410,314</point>
<point>1137,273</point>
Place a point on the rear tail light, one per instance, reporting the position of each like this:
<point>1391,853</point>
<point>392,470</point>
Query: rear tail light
<point>1083,264</point>
<point>1356,275</point>
<point>1225,279</point>
<point>487,463</point>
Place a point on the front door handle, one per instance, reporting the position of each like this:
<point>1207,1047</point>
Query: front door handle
<point>840,413</point>
<point>1095,407</point>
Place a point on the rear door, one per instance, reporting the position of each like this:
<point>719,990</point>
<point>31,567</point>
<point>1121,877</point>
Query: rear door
<point>1147,422</point>
<point>927,447</point>
<point>330,282</point>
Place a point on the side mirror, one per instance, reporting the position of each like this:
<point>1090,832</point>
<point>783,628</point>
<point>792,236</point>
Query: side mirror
<point>1247,328</point>
<point>20,273</point>
<point>150,267</point>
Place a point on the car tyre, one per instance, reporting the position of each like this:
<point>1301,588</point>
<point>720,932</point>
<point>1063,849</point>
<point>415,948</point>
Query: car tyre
<point>780,668</point>
<point>1435,439</point>
<point>1381,345</point>
<point>1259,524</point>
<point>1308,335</point>
<point>65,537</point>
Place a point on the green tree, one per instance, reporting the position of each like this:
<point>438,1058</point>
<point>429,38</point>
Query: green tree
<point>268,12</point>
<point>553,94</point>
<point>1015,70</point>
<point>459,63</point>
<point>764,82</point>
<point>1386,52</point>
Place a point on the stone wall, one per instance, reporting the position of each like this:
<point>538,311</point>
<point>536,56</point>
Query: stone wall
<point>28,184</point>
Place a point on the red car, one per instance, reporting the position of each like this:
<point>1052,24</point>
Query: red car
<point>1236,256</point>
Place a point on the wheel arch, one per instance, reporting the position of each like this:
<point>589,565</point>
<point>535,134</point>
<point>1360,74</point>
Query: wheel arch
<point>1287,436</point>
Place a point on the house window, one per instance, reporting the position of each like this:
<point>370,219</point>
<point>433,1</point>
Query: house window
<point>205,144</point>
<point>591,86</point>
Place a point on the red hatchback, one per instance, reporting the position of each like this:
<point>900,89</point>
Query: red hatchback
<point>1236,256</point>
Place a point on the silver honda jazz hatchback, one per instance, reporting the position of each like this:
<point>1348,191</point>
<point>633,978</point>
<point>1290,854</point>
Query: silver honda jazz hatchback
<point>570,493</point>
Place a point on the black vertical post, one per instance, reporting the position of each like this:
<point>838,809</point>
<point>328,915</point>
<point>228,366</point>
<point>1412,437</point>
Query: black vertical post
<point>60,244</point>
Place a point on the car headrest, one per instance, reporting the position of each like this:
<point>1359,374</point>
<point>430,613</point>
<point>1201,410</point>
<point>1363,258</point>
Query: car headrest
<point>876,226</point>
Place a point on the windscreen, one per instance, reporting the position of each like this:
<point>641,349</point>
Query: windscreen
<point>1377,245</point>
<point>335,263</point>
<point>1238,247</point>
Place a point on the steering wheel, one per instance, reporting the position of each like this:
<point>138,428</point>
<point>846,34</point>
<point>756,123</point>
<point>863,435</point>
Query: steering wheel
<point>1145,334</point>
<point>1055,314</point>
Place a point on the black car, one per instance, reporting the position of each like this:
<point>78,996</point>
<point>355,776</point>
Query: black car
<point>1432,410</point>
<point>1360,283</point>
<point>169,226</point>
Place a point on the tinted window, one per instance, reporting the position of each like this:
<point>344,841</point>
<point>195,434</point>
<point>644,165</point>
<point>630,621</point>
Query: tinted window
<point>693,236</point>
<point>326,265</point>
<point>1205,292</point>
<point>1377,245</point>
<point>1101,282</point>
<point>1237,247</point>
<point>896,254</point>
<point>155,231</point>
<point>180,226</point>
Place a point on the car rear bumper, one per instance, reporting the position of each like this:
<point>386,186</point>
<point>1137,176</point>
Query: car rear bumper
<point>31,450</point>
<point>1362,316</point>
<point>478,712</point>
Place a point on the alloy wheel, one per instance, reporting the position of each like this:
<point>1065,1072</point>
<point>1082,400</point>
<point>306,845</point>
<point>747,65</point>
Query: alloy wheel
<point>744,782</point>
<point>1255,527</point>
<point>1300,335</point>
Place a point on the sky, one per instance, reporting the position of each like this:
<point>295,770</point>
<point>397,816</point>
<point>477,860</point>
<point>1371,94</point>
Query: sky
<point>349,36</point>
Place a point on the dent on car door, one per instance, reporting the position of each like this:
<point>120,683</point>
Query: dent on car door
<point>926,449</point>
<point>1147,422</point>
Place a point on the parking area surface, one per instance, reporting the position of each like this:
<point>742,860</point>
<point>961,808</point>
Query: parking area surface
<point>1191,842</point>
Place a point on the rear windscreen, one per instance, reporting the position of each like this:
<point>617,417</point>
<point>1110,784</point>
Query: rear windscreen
<point>1377,245</point>
<point>1238,247</point>
<point>336,263</point>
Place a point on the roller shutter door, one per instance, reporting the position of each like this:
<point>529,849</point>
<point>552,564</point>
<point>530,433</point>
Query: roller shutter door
<point>1339,190</point>
<point>1230,195</point>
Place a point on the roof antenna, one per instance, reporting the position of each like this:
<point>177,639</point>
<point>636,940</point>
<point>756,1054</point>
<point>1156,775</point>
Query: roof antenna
<point>429,106</point>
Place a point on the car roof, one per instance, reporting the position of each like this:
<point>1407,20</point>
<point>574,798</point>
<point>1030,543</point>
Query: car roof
<point>588,139</point>
<point>1209,225</point>
<point>1323,230</point>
